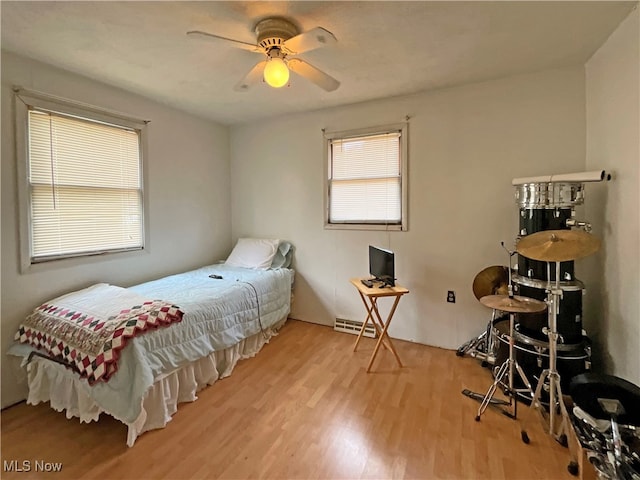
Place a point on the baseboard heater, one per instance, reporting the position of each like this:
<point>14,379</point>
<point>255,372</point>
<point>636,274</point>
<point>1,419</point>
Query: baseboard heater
<point>353,327</point>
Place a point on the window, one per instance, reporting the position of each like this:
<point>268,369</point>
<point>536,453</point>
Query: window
<point>81,191</point>
<point>366,174</point>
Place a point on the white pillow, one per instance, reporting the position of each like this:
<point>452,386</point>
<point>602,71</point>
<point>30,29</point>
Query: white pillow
<point>254,253</point>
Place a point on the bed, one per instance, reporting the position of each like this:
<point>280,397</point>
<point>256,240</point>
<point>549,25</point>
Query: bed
<point>207,320</point>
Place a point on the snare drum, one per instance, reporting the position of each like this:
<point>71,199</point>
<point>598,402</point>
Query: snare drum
<point>549,195</point>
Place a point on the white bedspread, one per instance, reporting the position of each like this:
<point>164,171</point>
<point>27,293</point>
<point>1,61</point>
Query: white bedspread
<point>218,313</point>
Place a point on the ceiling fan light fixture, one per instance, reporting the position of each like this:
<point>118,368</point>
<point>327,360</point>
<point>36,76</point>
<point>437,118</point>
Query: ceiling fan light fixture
<point>280,40</point>
<point>276,73</point>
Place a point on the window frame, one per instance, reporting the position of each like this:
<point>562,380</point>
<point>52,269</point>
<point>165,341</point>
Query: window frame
<point>402,128</point>
<point>23,100</point>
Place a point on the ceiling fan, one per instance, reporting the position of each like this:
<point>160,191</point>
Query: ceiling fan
<point>279,40</point>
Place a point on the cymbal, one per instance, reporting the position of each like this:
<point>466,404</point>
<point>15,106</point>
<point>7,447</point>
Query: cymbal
<point>491,281</point>
<point>558,245</point>
<point>517,304</point>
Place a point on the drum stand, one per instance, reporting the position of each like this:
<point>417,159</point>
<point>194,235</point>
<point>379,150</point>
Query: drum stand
<point>551,374</point>
<point>507,368</point>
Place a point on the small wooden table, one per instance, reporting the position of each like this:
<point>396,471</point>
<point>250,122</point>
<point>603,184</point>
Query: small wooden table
<point>372,294</point>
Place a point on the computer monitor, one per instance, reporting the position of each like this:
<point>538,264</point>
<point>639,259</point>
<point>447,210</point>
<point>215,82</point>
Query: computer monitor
<point>382,265</point>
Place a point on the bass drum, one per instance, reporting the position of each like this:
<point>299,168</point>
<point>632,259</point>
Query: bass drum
<point>533,356</point>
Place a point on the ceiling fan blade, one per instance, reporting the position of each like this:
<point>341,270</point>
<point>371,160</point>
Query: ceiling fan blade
<point>310,40</point>
<point>253,77</point>
<point>237,43</point>
<point>311,73</point>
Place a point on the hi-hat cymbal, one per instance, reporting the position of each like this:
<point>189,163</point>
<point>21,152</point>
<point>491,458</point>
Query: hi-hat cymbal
<point>517,304</point>
<point>558,245</point>
<point>491,281</point>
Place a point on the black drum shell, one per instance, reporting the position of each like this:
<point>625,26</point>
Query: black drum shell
<point>533,220</point>
<point>533,356</point>
<point>538,270</point>
<point>568,320</point>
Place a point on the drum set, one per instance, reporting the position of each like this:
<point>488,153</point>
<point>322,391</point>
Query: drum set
<point>534,340</point>
<point>535,335</point>
<point>553,247</point>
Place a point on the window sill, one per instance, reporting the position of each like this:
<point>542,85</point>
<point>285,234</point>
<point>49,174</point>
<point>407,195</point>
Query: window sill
<point>365,226</point>
<point>78,261</point>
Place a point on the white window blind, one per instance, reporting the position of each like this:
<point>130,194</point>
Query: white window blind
<point>85,184</point>
<point>365,179</point>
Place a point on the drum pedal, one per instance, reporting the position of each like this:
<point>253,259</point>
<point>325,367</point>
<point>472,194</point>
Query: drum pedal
<point>479,396</point>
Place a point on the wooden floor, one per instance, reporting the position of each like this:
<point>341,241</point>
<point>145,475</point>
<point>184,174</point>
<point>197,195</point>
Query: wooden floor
<point>305,408</point>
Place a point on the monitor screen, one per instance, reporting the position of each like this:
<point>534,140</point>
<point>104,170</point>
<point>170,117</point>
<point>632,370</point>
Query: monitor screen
<point>381,265</point>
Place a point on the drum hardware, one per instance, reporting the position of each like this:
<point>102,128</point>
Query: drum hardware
<point>508,303</point>
<point>490,281</point>
<point>588,389</point>
<point>586,226</point>
<point>533,357</point>
<point>482,347</point>
<point>511,304</point>
<point>554,246</point>
<point>551,374</point>
<point>607,410</point>
<point>614,408</point>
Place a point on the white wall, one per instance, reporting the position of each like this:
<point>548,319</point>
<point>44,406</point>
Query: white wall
<point>189,200</point>
<point>613,142</point>
<point>465,146</point>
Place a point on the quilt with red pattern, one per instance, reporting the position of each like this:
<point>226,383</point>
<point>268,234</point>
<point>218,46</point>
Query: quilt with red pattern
<point>89,344</point>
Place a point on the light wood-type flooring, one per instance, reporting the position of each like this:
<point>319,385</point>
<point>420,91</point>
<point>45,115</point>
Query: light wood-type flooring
<point>305,408</point>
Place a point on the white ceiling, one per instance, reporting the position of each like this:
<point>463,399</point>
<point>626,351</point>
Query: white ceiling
<point>384,48</point>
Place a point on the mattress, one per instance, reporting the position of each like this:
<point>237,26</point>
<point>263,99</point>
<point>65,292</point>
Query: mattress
<point>219,313</point>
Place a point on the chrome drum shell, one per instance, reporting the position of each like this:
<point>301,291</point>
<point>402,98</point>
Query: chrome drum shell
<point>549,195</point>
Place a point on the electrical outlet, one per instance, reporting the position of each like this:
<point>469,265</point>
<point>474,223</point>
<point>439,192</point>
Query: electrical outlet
<point>451,296</point>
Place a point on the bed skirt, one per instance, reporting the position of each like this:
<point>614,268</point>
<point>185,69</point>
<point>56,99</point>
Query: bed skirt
<point>51,382</point>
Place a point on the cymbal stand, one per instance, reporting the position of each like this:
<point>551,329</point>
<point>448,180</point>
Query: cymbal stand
<point>551,374</point>
<point>507,368</point>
